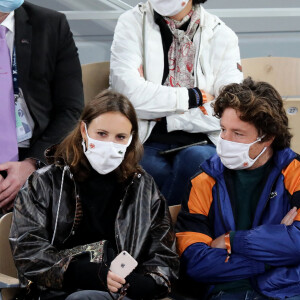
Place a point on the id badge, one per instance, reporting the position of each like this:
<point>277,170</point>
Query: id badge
<point>23,126</point>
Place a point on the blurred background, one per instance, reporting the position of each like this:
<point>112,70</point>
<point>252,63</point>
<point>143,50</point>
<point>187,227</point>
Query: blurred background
<point>264,27</point>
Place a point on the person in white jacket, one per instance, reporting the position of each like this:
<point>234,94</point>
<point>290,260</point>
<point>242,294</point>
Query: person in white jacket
<point>171,68</point>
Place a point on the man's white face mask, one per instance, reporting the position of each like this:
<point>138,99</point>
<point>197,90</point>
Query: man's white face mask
<point>235,155</point>
<point>168,7</point>
<point>104,157</point>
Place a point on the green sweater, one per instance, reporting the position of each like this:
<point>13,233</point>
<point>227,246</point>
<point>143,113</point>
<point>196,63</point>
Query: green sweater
<point>247,188</point>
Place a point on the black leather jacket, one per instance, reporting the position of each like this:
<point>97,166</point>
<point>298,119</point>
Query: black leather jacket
<point>48,210</point>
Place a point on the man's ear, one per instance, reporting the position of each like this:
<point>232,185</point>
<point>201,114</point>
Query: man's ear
<point>269,142</point>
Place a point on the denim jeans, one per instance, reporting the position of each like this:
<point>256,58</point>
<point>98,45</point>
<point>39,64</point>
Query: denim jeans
<point>92,295</point>
<point>245,295</point>
<point>172,172</point>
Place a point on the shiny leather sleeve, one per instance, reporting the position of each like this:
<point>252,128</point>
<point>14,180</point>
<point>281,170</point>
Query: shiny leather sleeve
<point>162,262</point>
<point>31,232</point>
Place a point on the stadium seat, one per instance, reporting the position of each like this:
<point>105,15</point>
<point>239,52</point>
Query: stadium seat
<point>95,78</point>
<point>9,281</point>
<point>174,211</point>
<point>284,74</point>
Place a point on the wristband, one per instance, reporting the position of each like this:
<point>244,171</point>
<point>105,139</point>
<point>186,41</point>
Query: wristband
<point>197,96</point>
<point>227,245</point>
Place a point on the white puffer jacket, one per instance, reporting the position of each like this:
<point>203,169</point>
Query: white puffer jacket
<point>137,42</point>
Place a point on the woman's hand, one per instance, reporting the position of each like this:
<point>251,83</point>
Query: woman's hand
<point>114,282</point>
<point>289,217</point>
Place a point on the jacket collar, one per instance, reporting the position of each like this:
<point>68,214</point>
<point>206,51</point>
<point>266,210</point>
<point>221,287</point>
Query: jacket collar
<point>281,159</point>
<point>214,168</point>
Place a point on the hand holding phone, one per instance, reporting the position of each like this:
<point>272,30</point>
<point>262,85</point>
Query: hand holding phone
<point>123,264</point>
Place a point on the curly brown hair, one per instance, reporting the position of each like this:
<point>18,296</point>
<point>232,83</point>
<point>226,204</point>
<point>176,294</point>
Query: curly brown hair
<point>70,149</point>
<point>259,104</point>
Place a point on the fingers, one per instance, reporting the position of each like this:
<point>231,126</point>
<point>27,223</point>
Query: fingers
<point>289,217</point>
<point>17,174</point>
<point>8,194</point>
<point>9,186</point>
<point>8,202</point>
<point>5,166</point>
<point>114,282</point>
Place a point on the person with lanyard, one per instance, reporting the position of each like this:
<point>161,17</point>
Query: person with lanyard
<point>170,58</point>
<point>41,90</point>
<point>239,227</point>
<point>93,202</point>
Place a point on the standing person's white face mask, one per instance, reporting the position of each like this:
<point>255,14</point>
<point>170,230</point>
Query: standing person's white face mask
<point>104,157</point>
<point>235,155</point>
<point>6,6</point>
<point>168,7</point>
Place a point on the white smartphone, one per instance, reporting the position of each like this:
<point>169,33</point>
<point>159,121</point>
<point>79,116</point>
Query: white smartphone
<point>123,264</point>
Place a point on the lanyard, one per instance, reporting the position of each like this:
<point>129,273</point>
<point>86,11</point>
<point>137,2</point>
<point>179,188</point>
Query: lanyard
<point>15,73</point>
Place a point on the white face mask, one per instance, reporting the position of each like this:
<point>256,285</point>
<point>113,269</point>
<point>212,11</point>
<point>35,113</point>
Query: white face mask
<point>104,157</point>
<point>168,7</point>
<point>235,156</point>
<point>6,6</point>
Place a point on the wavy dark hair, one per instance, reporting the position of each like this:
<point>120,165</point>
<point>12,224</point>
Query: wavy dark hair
<point>259,104</point>
<point>70,149</point>
<point>198,1</point>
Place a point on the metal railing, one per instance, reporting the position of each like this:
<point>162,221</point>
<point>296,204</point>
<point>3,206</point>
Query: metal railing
<point>222,13</point>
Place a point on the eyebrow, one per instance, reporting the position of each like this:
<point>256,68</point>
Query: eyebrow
<point>99,129</point>
<point>234,129</point>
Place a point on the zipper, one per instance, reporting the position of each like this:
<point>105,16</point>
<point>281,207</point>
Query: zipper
<point>198,58</point>
<point>77,199</point>
<point>59,203</point>
<point>219,206</point>
<point>218,24</point>
<point>198,54</point>
<point>126,192</point>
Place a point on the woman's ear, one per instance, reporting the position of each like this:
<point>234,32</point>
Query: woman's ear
<point>83,131</point>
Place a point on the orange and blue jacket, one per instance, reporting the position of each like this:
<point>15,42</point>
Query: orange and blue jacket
<point>207,212</point>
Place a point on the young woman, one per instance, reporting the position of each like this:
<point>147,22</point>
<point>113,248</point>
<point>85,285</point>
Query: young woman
<point>94,191</point>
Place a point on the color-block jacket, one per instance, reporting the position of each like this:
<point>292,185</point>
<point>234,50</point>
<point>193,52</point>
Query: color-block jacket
<point>207,214</point>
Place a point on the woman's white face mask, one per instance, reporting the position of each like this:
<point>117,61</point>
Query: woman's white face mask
<point>104,157</point>
<point>168,7</point>
<point>235,155</point>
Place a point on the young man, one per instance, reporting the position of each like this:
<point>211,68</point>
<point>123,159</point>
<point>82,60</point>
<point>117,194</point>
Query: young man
<point>239,227</point>
<point>41,89</point>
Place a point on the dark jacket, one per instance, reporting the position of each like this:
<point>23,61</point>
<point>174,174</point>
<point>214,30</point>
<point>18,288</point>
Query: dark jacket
<point>49,74</point>
<point>142,227</point>
<point>208,213</point>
